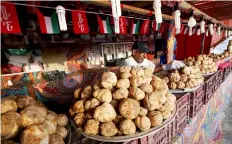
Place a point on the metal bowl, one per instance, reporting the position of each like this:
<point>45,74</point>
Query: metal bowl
<point>136,135</point>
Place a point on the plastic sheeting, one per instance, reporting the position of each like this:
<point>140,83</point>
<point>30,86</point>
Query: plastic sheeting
<point>222,46</point>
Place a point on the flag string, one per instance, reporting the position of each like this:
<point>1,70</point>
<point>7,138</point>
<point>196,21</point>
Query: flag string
<point>31,5</point>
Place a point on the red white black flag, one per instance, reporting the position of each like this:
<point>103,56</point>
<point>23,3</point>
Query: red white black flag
<point>145,27</point>
<point>80,22</point>
<point>9,19</point>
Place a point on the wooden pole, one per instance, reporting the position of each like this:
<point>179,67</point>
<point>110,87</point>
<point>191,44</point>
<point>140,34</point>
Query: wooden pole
<point>129,8</point>
<point>137,10</point>
<point>202,43</point>
<point>196,11</point>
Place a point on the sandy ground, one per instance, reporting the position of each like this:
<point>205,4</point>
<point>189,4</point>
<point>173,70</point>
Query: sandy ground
<point>227,124</point>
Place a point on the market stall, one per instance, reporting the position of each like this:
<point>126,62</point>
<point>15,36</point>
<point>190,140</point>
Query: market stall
<point>63,75</point>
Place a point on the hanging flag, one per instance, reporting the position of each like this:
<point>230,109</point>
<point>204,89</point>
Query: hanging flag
<point>163,27</point>
<point>135,26</point>
<point>80,22</point>
<point>104,24</point>
<point>48,24</point>
<point>186,29</point>
<point>156,26</point>
<point>145,27</point>
<point>32,9</point>
<point>9,19</point>
<point>123,25</point>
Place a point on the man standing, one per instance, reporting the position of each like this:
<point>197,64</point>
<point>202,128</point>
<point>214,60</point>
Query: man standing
<point>138,59</point>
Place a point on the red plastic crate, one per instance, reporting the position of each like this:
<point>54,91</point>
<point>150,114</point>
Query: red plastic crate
<point>132,142</point>
<point>197,101</point>
<point>208,94</point>
<point>182,117</point>
<point>158,138</point>
<point>226,67</point>
<point>209,81</point>
<point>171,130</point>
<point>219,76</point>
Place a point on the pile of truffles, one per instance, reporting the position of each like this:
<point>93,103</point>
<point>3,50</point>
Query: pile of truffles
<point>205,63</point>
<point>31,122</point>
<point>133,101</point>
<point>186,77</point>
<point>218,57</point>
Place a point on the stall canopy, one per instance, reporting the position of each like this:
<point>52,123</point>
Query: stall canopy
<point>221,47</point>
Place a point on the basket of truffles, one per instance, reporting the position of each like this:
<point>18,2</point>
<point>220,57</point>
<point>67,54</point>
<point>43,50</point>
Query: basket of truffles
<point>25,121</point>
<point>206,64</point>
<point>186,79</point>
<point>123,107</point>
<point>225,56</point>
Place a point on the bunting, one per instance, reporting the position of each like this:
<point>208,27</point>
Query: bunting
<point>80,22</point>
<point>135,26</point>
<point>9,19</point>
<point>123,25</point>
<point>163,27</point>
<point>104,24</point>
<point>48,24</point>
<point>83,23</point>
<point>156,26</point>
<point>145,27</point>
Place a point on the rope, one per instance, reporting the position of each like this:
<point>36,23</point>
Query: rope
<point>31,5</point>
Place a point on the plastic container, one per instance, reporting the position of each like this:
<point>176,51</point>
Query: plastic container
<point>196,101</point>
<point>210,81</point>
<point>158,138</point>
<point>208,94</point>
<point>226,67</point>
<point>171,131</point>
<point>219,76</point>
<point>219,79</point>
<point>226,72</point>
<point>182,117</point>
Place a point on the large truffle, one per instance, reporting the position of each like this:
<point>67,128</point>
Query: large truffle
<point>143,123</point>
<point>104,113</point>
<point>33,114</point>
<point>108,129</point>
<point>108,80</point>
<point>91,127</point>
<point>156,118</point>
<point>129,108</point>
<point>127,127</point>
<point>136,93</point>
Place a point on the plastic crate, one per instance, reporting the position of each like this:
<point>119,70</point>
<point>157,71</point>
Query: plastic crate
<point>182,117</point>
<point>133,142</point>
<point>208,94</point>
<point>226,73</point>
<point>210,81</point>
<point>171,130</point>
<point>197,101</point>
<point>226,67</point>
<point>158,138</point>
<point>219,76</point>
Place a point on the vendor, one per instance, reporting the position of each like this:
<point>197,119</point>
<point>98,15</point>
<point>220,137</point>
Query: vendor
<point>138,58</point>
